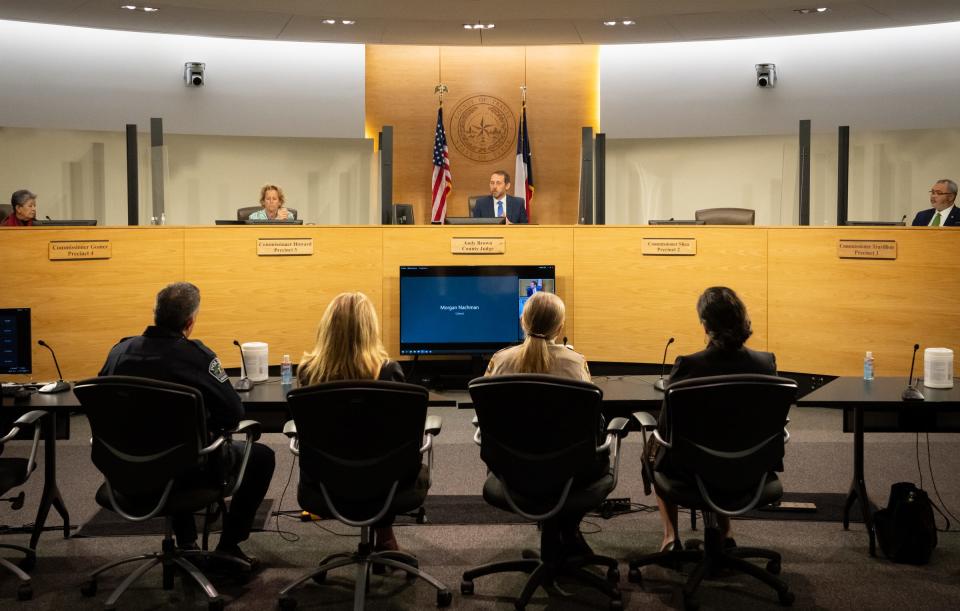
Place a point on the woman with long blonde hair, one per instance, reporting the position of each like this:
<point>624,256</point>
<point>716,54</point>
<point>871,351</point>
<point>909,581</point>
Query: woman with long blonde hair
<point>349,348</point>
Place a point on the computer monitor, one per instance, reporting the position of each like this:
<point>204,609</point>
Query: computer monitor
<point>403,214</point>
<point>67,222</point>
<point>874,223</point>
<point>273,222</point>
<point>473,220</point>
<point>229,222</point>
<point>461,309</point>
<point>16,354</point>
<point>676,222</point>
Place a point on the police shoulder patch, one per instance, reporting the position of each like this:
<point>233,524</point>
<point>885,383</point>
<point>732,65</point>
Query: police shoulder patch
<point>216,370</point>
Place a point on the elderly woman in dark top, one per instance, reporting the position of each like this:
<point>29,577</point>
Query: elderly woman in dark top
<point>24,205</point>
<point>727,326</point>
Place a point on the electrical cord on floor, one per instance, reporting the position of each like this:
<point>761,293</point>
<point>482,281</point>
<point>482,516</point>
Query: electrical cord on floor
<point>286,535</point>
<point>933,482</point>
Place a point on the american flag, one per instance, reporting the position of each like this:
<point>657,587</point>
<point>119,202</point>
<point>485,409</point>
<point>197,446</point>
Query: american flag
<point>523,172</point>
<point>442,179</point>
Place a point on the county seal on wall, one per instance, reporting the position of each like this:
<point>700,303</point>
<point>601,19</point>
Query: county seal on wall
<point>483,128</point>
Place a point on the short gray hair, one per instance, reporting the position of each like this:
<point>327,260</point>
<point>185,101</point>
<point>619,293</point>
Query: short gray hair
<point>21,197</point>
<point>951,185</point>
<point>176,304</point>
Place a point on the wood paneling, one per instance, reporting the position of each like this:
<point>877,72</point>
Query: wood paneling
<point>826,312</point>
<point>562,89</point>
<point>525,245</point>
<point>629,304</point>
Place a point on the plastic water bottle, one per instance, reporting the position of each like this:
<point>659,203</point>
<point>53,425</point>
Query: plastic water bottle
<point>868,366</point>
<point>286,371</point>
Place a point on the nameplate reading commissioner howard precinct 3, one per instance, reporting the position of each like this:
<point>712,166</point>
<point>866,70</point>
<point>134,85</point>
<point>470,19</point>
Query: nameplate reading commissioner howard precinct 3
<point>668,247</point>
<point>478,246</point>
<point>78,250</point>
<point>284,247</point>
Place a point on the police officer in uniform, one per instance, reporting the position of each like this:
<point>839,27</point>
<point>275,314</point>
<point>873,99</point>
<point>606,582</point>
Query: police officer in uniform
<point>165,352</point>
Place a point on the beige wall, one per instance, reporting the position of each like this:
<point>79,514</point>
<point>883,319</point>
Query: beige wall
<point>890,173</point>
<point>82,174</point>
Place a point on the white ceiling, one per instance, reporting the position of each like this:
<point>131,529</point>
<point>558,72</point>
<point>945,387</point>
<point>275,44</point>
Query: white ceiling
<point>518,22</point>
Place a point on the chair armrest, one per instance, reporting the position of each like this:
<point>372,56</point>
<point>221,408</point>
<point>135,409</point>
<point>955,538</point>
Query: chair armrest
<point>433,425</point>
<point>219,441</point>
<point>476,434</point>
<point>618,426</point>
<point>290,429</point>
<point>30,418</point>
<point>251,428</point>
<point>645,420</point>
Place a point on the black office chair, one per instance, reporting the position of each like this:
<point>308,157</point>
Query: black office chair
<point>472,202</point>
<point>726,216</point>
<point>5,211</point>
<point>539,437</point>
<point>244,213</point>
<point>360,445</point>
<point>15,472</point>
<point>725,438</point>
<point>149,440</point>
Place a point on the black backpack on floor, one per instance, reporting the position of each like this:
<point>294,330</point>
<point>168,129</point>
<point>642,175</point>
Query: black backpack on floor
<point>905,527</point>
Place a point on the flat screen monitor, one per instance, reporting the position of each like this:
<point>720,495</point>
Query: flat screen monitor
<point>473,220</point>
<point>471,310</point>
<point>67,223</point>
<point>229,222</point>
<point>15,343</point>
<point>874,223</point>
<point>676,222</point>
<point>273,222</point>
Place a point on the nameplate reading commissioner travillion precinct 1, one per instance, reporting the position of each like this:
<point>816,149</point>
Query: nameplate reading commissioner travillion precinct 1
<point>668,247</point>
<point>79,250</point>
<point>867,249</point>
<point>284,247</point>
<point>478,246</point>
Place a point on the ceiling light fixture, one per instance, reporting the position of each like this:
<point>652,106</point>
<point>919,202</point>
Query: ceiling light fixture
<point>479,26</point>
<point>134,7</point>
<point>615,22</point>
<point>811,11</point>
<point>330,21</point>
<point>347,21</point>
<point>628,22</point>
<point>610,24</point>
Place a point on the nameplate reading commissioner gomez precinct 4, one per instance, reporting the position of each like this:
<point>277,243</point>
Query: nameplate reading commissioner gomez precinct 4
<point>669,247</point>
<point>284,247</point>
<point>867,249</point>
<point>79,250</point>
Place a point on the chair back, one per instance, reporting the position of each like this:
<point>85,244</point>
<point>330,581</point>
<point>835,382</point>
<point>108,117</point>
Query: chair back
<point>537,431</point>
<point>728,431</point>
<point>726,216</point>
<point>145,432</point>
<point>472,203</point>
<point>358,437</point>
<point>244,213</point>
<point>5,211</point>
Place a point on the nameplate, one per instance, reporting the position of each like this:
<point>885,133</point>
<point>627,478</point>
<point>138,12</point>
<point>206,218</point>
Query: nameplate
<point>284,247</point>
<point>867,249</point>
<point>478,246</point>
<point>79,250</point>
<point>668,247</point>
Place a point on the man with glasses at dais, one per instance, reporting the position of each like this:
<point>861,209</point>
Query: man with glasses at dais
<point>944,213</point>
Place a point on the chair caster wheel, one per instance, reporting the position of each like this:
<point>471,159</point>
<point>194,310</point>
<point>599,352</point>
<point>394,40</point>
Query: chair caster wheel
<point>773,567</point>
<point>787,598</point>
<point>28,563</point>
<point>634,576</point>
<point>288,603</point>
<point>319,578</point>
<point>613,575</point>
<point>89,588</point>
<point>444,598</point>
<point>616,604</point>
<point>422,516</point>
<point>215,604</point>
<point>24,591</point>
<point>466,587</point>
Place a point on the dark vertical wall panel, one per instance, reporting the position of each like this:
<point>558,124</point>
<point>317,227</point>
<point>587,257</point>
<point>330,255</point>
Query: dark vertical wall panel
<point>804,172</point>
<point>133,180</point>
<point>843,172</point>
<point>600,165</point>
<point>586,176</point>
<point>386,175</point>
<point>156,166</point>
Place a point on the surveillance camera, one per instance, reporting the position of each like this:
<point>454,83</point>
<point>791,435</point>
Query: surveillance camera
<point>193,73</point>
<point>766,75</point>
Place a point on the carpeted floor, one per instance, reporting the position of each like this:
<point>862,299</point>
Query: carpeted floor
<point>827,567</point>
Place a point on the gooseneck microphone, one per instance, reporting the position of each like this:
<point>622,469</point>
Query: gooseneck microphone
<point>662,382</point>
<point>910,393</point>
<point>59,385</point>
<point>244,384</point>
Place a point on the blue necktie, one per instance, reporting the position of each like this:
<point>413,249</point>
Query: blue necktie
<point>499,208</point>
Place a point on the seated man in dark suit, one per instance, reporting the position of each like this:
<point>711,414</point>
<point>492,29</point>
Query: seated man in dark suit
<point>500,203</point>
<point>944,213</point>
<point>727,326</point>
<point>164,352</point>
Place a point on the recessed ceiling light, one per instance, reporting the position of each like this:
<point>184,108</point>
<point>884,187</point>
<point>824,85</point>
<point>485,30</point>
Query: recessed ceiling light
<point>479,26</point>
<point>347,21</point>
<point>810,11</point>
<point>628,22</point>
<point>609,23</point>
<point>330,21</point>
<point>129,7</point>
<point>150,9</point>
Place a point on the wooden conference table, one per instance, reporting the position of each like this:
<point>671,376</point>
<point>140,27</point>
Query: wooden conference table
<point>879,400</point>
<point>267,404</point>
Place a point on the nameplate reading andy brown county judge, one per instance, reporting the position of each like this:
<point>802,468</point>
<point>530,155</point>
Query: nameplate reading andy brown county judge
<point>478,246</point>
<point>79,250</point>
<point>669,247</point>
<point>867,249</point>
<point>284,247</point>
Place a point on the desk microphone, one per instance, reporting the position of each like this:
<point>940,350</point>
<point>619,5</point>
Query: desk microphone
<point>244,384</point>
<point>904,219</point>
<point>910,393</point>
<point>48,218</point>
<point>662,382</point>
<point>59,385</point>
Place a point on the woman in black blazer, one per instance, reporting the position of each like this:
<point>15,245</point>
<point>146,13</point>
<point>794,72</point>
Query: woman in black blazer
<point>727,325</point>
